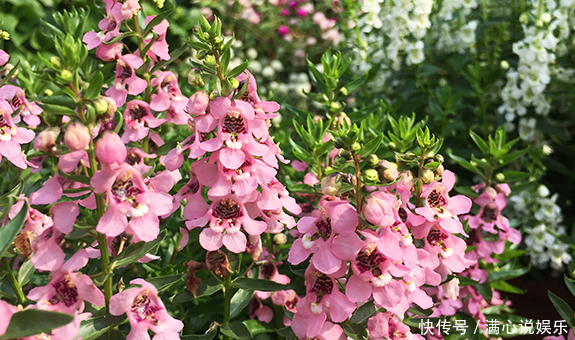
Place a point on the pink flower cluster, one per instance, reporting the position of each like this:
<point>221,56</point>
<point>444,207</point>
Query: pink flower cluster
<point>238,171</point>
<point>379,261</point>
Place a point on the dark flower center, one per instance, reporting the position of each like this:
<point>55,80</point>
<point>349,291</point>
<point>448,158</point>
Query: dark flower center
<point>227,209</point>
<point>402,214</point>
<point>124,189</point>
<point>323,229</point>
<point>234,123</point>
<point>267,270</point>
<point>436,200</point>
<point>66,292</point>
<point>323,285</point>
<point>143,309</point>
<point>370,259</point>
<point>489,213</point>
<point>137,112</point>
<point>436,238</point>
<point>16,101</point>
<point>3,121</point>
<point>133,158</point>
<point>125,70</point>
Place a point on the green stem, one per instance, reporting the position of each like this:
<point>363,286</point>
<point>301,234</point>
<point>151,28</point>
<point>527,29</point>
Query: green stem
<point>419,186</point>
<point>175,254</point>
<point>102,244</point>
<point>358,184</point>
<point>228,284</point>
<point>278,314</point>
<point>13,282</point>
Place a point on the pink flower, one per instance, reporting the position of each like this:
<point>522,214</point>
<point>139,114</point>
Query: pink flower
<point>6,309</point>
<point>198,103</point>
<point>160,46</point>
<point>169,94</point>
<point>323,300</point>
<point>438,204</point>
<point>145,310</point>
<point>128,196</point>
<point>130,8</point>
<point>234,131</point>
<point>4,57</point>
<point>11,136</point>
<point>136,114</point>
<point>126,67</point>
<point>283,30</point>
<point>226,217</point>
<point>68,289</point>
<point>28,111</point>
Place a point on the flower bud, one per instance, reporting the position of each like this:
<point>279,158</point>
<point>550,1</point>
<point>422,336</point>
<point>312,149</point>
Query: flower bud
<point>439,170</point>
<point>356,147</point>
<point>110,149</point>
<point>66,75</point>
<point>500,177</point>
<point>77,136</point>
<point>217,263</point>
<point>235,83</point>
<point>372,160</point>
<point>210,60</point>
<point>344,154</point>
<point>390,174</point>
<point>55,61</point>
<point>198,103</point>
<point>427,176</point>
<point>451,289</point>
<point>101,106</point>
<point>120,286</point>
<point>46,140</point>
<point>371,175</point>
<point>338,143</point>
<point>280,239</point>
<point>331,184</point>
<point>504,64</point>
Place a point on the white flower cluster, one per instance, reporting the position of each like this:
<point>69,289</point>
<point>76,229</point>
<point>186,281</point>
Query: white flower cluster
<point>543,40</point>
<point>395,27</point>
<point>452,29</point>
<point>540,212</point>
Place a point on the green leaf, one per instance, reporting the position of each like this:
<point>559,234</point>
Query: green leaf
<point>485,290</point>
<point>164,282</point>
<point>35,321</point>
<point>198,45</point>
<point>76,178</point>
<point>481,144</point>
<point>25,273</point>
<point>355,331</point>
<point>11,229</point>
<point>93,90</point>
<point>257,284</point>
<point>364,312</point>
<point>95,327</point>
<point>225,62</point>
<point>167,10</point>
<point>562,308</point>
<point>207,336</point>
<point>136,251</point>
<point>514,176</point>
<point>466,164</point>
<point>10,74</point>
<point>255,327</point>
<point>467,191</point>
<point>570,284</point>
<point>506,287</point>
<point>286,332</point>
<point>354,84</point>
<point>507,274</point>
<point>236,330</point>
<point>57,110</point>
<point>236,71</point>
<point>372,146</point>
<point>240,300</point>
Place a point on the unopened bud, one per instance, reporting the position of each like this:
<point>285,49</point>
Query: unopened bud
<point>77,136</point>
<point>451,289</point>
<point>218,40</point>
<point>210,60</point>
<point>491,192</point>
<point>46,140</point>
<point>55,61</point>
<point>390,174</point>
<point>500,177</point>
<point>201,55</point>
<point>372,160</point>
<point>280,239</point>
<point>439,170</point>
<point>66,75</point>
<point>427,176</point>
<point>101,106</point>
<point>343,91</point>
<point>48,93</point>
<point>356,147</point>
<point>338,143</point>
<point>504,64</point>
<point>331,184</point>
<point>5,35</point>
<point>371,175</point>
<point>345,154</point>
<point>217,263</point>
<point>198,103</point>
<point>235,83</point>
<point>110,149</point>
<point>335,106</point>
<point>120,285</point>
